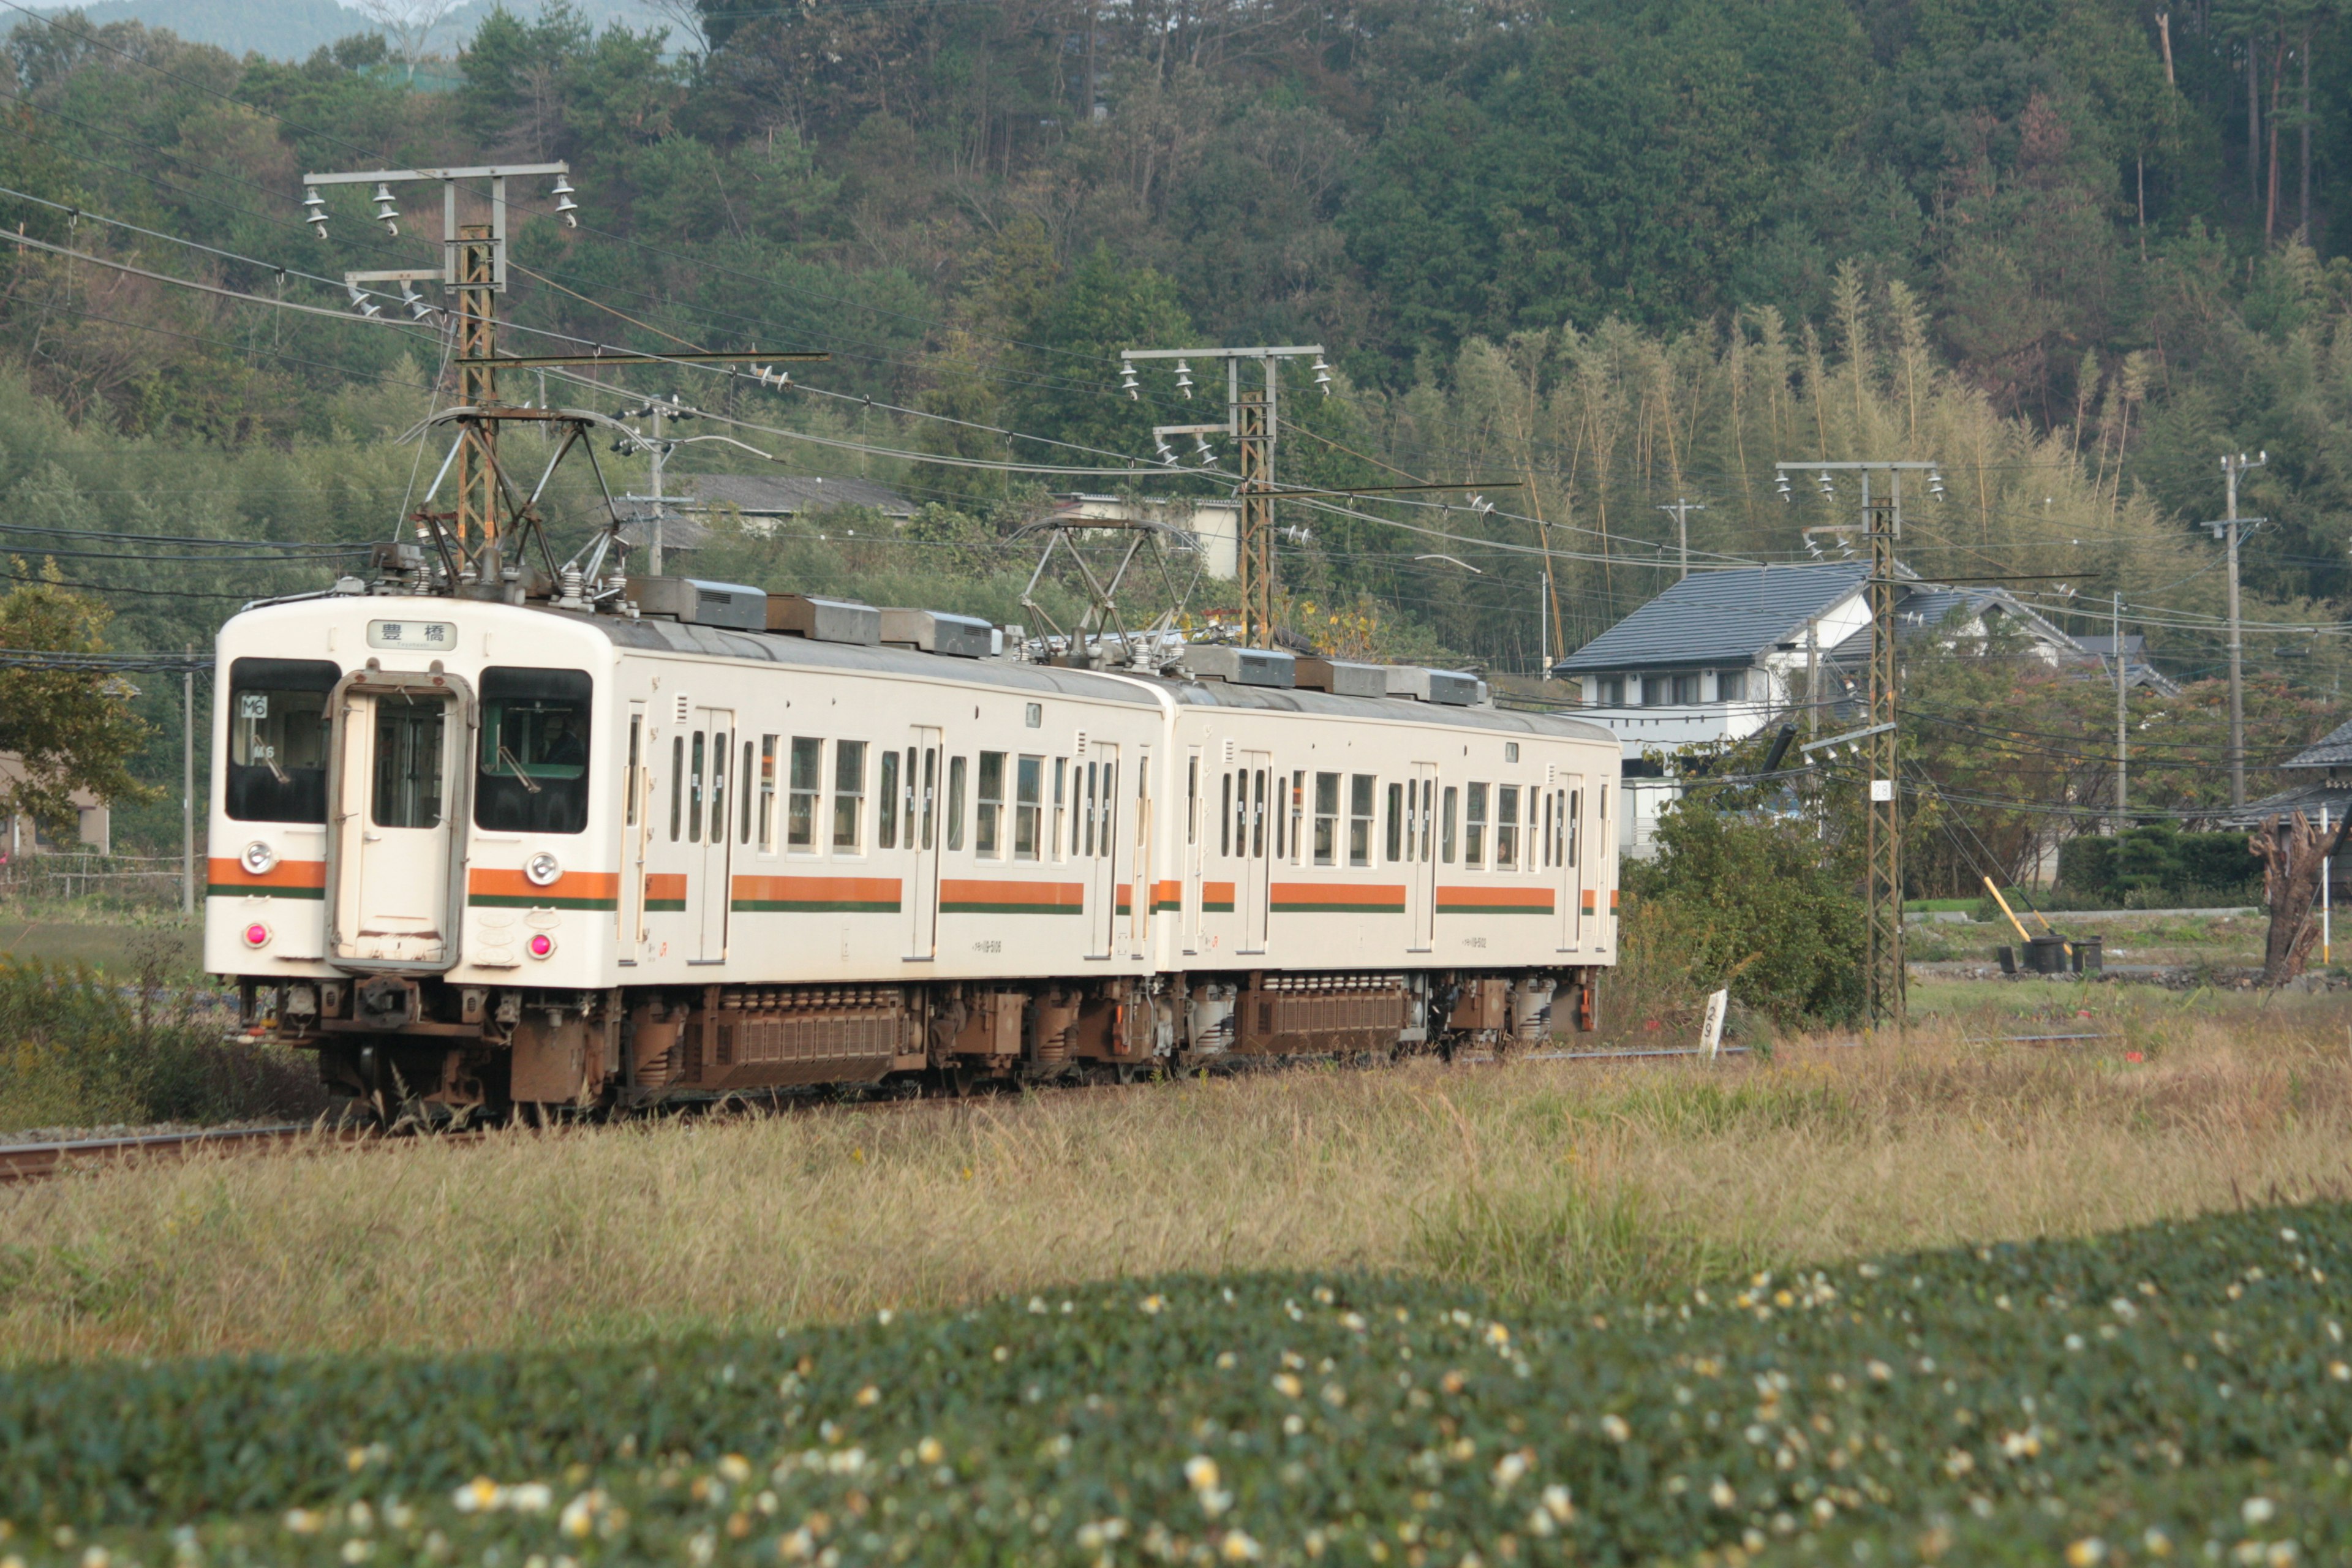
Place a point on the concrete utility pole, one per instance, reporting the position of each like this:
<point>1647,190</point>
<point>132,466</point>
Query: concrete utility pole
<point>1681,510</point>
<point>188,785</point>
<point>2123,820</point>
<point>2228,529</point>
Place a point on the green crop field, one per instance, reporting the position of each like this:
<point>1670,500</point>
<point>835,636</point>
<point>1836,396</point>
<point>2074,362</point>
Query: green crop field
<point>2181,1389</point>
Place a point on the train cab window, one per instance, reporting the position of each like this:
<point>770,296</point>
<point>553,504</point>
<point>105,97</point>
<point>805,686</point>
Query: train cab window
<point>1506,827</point>
<point>278,735</point>
<point>533,772</point>
<point>807,781</point>
<point>888,795</point>
<point>677,782</point>
<point>408,772</point>
<point>1028,806</point>
<point>1326,819</point>
<point>1473,828</point>
<point>849,795</point>
<point>1445,825</point>
<point>767,791</point>
<point>988,828</point>
<point>955,803</point>
<point>1361,788</point>
<point>1397,848</point>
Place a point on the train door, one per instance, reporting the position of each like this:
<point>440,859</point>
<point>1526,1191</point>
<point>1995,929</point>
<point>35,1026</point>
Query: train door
<point>636,831</point>
<point>1195,811</point>
<point>706,801</point>
<point>1420,848</point>
<point>400,796</point>
<point>1102,845</point>
<point>1571,885</point>
<point>1256,780</point>
<point>919,814</point>
<point>1139,859</point>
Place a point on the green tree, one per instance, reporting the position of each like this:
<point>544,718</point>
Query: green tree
<point>67,730</point>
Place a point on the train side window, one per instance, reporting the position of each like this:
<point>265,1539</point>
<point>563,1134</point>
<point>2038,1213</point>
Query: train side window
<point>629,779</point>
<point>1298,816</point>
<point>1257,815</point>
<point>1191,798</point>
<point>987,835</point>
<point>955,802</point>
<point>930,787</point>
<point>1445,825</point>
<point>677,782</point>
<point>1474,827</point>
<point>1275,809</point>
<point>885,792</point>
<point>807,781</point>
<point>1397,848</point>
<point>1028,806</point>
<point>849,795</point>
<point>1603,812</point>
<point>1326,819</point>
<point>1361,790</point>
<point>1062,807</point>
<point>1428,812</point>
<point>1241,813</point>
<point>278,739</point>
<point>767,791</point>
<point>909,823</point>
<point>1575,810</point>
<point>743,788</point>
<point>698,758</point>
<point>1506,827</point>
<point>1110,806</point>
<point>1225,818</point>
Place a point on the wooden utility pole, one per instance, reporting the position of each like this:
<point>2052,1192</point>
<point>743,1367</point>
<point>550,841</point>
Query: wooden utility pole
<point>2123,820</point>
<point>2229,529</point>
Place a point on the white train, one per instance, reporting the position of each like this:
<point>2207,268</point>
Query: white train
<point>484,854</point>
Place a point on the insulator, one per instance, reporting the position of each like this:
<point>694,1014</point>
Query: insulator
<point>1788,491</point>
<point>1322,376</point>
<point>314,209</point>
<point>1823,478</point>
<point>1200,445</point>
<point>1936,483</point>
<point>1167,453</point>
<point>1184,379</point>
<point>565,208</point>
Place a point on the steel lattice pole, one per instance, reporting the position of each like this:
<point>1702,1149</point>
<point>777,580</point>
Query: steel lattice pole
<point>1884,973</point>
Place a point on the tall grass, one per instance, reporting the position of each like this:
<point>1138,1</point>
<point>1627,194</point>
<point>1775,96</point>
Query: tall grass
<point>1539,1180</point>
<point>78,1048</point>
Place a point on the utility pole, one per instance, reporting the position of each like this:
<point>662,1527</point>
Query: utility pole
<point>1252,420</point>
<point>2123,820</point>
<point>1882,524</point>
<point>658,449</point>
<point>188,785</point>
<point>2228,529</point>
<point>472,275</point>
<point>1681,510</point>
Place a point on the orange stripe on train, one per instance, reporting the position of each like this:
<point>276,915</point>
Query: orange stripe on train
<point>287,880</point>
<point>1495,900</point>
<point>571,890</point>
<point>958,897</point>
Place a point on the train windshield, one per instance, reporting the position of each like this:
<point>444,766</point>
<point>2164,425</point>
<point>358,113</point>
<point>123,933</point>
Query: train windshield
<point>534,756</point>
<point>278,733</point>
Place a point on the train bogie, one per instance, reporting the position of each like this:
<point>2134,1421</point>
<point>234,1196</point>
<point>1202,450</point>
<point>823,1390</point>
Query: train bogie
<point>479,854</point>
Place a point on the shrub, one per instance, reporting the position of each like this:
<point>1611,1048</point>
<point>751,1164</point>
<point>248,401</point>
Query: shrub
<point>76,1050</point>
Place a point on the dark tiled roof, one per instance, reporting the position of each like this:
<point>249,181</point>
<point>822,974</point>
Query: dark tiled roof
<point>2333,750</point>
<point>788,495</point>
<point>1712,617</point>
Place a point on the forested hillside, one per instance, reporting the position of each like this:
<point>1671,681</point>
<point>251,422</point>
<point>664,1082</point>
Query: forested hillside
<point>2073,249</point>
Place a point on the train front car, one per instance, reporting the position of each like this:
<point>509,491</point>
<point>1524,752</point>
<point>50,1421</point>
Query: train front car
<point>412,871</point>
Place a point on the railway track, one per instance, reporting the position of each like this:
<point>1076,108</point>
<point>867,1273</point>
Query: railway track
<point>33,1162</point>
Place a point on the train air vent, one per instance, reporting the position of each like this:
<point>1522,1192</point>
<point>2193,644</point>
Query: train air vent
<point>960,637</point>
<point>1241,665</point>
<point>1342,678</point>
<point>699,603</point>
<point>824,620</point>
<point>1447,686</point>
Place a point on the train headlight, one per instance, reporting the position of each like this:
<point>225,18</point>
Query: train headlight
<point>256,934</point>
<point>540,945</point>
<point>543,868</point>
<point>259,857</point>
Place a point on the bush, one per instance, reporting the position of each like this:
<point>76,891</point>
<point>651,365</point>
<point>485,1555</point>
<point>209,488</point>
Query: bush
<point>77,1050</point>
<point>1750,904</point>
<point>1276,1419</point>
<point>2162,866</point>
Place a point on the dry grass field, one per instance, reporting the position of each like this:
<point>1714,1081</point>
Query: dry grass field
<point>1534,1180</point>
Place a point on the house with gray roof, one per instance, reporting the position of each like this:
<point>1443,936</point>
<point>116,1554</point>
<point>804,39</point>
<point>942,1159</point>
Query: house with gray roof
<point>2323,783</point>
<point>1724,654</point>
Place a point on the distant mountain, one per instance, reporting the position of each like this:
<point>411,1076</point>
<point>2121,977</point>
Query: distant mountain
<point>292,29</point>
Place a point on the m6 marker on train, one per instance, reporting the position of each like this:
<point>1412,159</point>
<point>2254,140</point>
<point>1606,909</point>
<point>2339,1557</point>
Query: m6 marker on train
<point>691,839</point>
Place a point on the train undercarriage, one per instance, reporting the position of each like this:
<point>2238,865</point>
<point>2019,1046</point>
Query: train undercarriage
<point>420,1048</point>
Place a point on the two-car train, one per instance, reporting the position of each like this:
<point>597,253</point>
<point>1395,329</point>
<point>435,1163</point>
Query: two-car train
<point>483,854</point>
